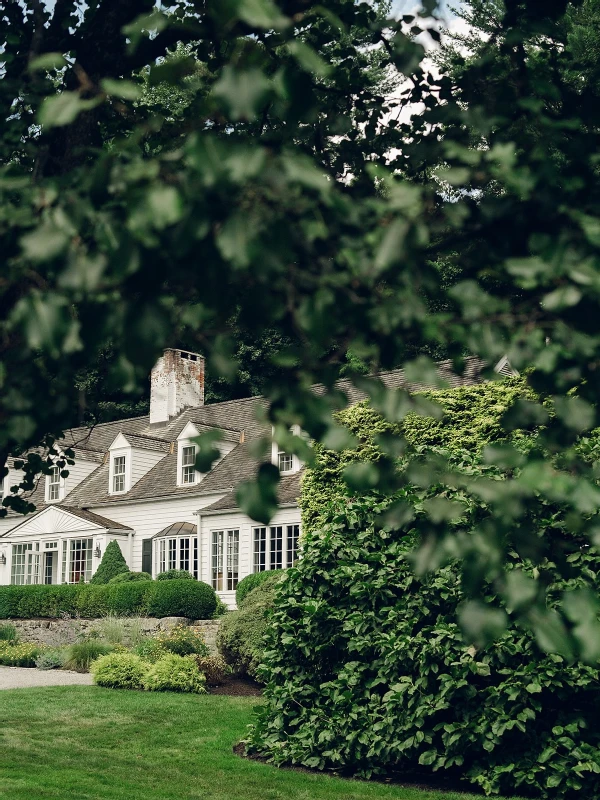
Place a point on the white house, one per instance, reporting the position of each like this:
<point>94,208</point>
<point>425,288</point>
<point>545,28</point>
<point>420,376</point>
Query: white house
<point>134,481</point>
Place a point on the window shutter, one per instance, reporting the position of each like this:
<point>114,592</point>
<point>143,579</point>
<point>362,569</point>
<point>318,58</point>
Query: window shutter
<point>147,556</point>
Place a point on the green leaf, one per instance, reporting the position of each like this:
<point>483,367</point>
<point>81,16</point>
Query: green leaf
<point>243,92</point>
<point>46,62</point>
<point>126,90</point>
<point>64,108</point>
<point>261,14</point>
<point>481,624</point>
<point>564,297</point>
<point>427,758</point>
<point>520,590</point>
<point>258,498</point>
<point>308,58</point>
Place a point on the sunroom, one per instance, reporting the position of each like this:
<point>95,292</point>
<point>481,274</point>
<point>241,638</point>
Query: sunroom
<point>59,545</point>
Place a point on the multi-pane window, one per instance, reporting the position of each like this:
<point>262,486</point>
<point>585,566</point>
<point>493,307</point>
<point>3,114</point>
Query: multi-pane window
<point>225,559</point>
<point>292,537</point>
<point>175,554</point>
<point>285,461</point>
<point>172,553</point>
<point>275,546</point>
<point>20,554</point>
<point>188,459</point>
<point>80,560</point>
<point>54,485</point>
<point>119,474</point>
<point>162,544</point>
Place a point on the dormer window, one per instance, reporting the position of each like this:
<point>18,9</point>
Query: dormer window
<point>188,461</point>
<point>54,486</point>
<point>118,481</point>
<point>285,461</point>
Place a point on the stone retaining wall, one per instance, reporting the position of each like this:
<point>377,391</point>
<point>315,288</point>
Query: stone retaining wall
<point>59,632</point>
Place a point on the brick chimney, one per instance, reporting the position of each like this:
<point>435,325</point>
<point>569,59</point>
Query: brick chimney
<point>176,382</point>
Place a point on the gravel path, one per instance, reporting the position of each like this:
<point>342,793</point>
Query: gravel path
<point>25,678</point>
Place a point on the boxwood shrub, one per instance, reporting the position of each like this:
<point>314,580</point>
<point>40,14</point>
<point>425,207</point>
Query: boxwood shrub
<point>126,577</point>
<point>174,673</point>
<point>175,575</point>
<point>119,671</point>
<point>180,598</point>
<point>250,582</point>
<point>177,598</point>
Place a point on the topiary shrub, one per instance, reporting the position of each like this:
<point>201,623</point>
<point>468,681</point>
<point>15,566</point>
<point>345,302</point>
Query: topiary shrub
<point>241,634</point>
<point>119,671</point>
<point>181,598</point>
<point>79,656</point>
<point>126,577</point>
<point>112,564</point>
<point>183,641</point>
<point>92,601</point>
<point>367,671</point>
<point>251,582</point>
<point>173,673</point>
<point>175,575</point>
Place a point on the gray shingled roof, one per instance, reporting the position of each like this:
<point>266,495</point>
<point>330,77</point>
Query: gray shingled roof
<point>396,379</point>
<point>233,417</point>
<point>288,493</point>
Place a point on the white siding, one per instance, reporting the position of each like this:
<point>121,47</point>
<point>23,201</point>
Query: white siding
<point>149,518</point>
<point>235,520</point>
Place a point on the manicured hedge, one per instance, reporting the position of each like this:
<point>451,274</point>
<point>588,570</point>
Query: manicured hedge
<point>169,599</point>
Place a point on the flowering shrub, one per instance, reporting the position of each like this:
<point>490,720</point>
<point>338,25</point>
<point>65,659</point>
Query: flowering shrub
<point>173,673</point>
<point>19,655</point>
<point>150,650</point>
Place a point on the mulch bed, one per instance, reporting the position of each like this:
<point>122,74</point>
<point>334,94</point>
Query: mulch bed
<point>238,687</point>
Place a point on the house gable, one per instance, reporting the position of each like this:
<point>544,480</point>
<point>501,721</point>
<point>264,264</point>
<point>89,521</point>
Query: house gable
<point>52,520</point>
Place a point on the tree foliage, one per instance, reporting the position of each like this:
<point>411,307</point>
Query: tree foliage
<point>299,195</point>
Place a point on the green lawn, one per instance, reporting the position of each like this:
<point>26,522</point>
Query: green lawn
<point>88,743</point>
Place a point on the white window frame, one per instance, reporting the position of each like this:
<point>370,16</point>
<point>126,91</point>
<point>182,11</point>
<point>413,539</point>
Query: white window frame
<point>285,462</point>
<point>225,559</point>
<point>55,486</point>
<point>274,546</point>
<point>70,548</point>
<point>122,475</point>
<point>188,470</point>
<point>177,552</point>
